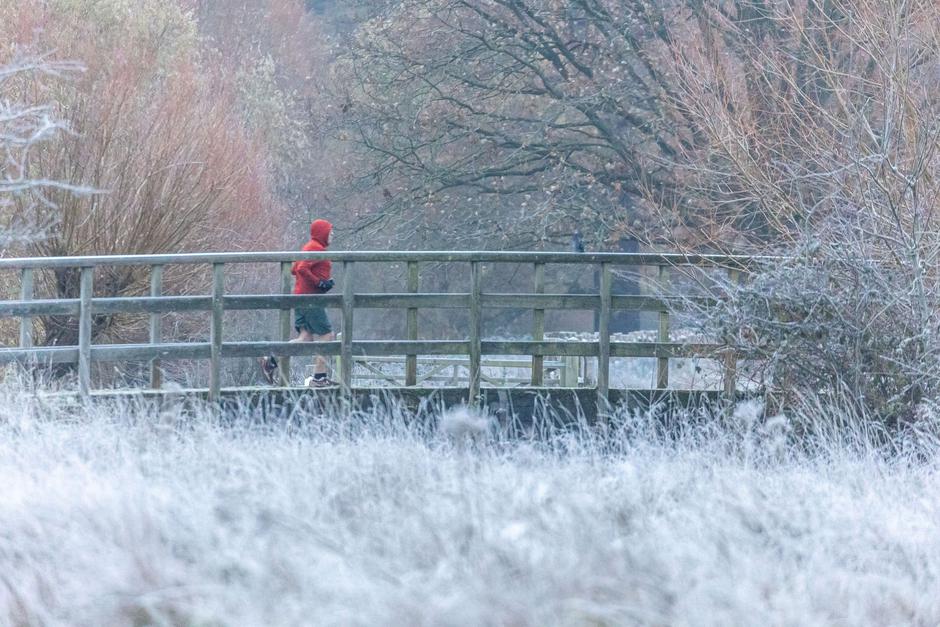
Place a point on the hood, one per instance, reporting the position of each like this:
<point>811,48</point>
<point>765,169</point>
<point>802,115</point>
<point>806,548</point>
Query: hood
<point>320,231</point>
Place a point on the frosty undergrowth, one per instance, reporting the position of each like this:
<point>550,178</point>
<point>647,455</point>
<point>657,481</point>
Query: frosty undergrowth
<point>128,515</point>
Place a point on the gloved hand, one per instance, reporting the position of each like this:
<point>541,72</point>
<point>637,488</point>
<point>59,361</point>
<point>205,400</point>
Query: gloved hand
<point>325,285</point>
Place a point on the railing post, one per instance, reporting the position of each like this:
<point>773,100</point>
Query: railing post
<point>572,369</point>
<point>156,326</point>
<point>731,359</point>
<point>662,363</point>
<point>215,354</point>
<point>538,328</point>
<point>476,325</point>
<point>603,344</point>
<point>26,322</point>
<point>411,361</point>
<point>287,285</point>
<point>349,292</point>
<point>84,330</point>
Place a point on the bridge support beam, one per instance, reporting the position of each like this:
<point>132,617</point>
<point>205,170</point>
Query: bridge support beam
<point>538,327</point>
<point>26,322</point>
<point>285,321</point>
<point>349,296</point>
<point>156,326</point>
<point>662,364</point>
<point>730,358</point>
<point>86,290</point>
<point>411,361</point>
<point>476,328</point>
<point>603,342</point>
<point>215,334</point>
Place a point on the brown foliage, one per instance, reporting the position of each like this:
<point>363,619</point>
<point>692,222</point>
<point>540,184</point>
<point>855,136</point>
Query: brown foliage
<point>157,135</point>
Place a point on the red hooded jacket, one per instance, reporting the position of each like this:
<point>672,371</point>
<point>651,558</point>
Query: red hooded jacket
<point>310,272</point>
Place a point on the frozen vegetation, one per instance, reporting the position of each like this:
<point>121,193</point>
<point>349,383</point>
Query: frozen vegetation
<point>129,515</point>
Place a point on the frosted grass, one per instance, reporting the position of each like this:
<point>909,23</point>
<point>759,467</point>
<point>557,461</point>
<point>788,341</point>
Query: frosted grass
<point>132,516</point>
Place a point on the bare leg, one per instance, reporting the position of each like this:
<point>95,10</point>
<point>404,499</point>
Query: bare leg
<point>269,365</point>
<point>320,362</point>
<point>306,336</point>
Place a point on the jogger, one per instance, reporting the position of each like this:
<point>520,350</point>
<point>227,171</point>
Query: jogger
<point>311,323</point>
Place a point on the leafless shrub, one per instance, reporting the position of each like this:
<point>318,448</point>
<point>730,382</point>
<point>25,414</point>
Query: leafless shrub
<point>23,127</point>
<point>822,146</point>
<point>156,130</point>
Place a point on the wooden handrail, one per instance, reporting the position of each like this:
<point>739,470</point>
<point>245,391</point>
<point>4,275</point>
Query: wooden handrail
<point>620,259</point>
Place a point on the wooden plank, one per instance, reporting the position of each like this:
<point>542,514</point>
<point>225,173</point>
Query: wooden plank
<point>84,330</point>
<point>215,331</point>
<point>476,328</point>
<point>412,301</point>
<point>603,341</point>
<point>620,259</point>
<point>583,302</point>
<point>156,325</point>
<point>670,350</point>
<point>653,303</point>
<point>538,326</point>
<point>26,294</point>
<point>371,348</point>
<point>152,304</point>
<point>50,307</point>
<point>662,363</point>
<point>509,362</point>
<point>587,302</point>
<point>419,347</point>
<point>203,350</point>
<point>571,372</point>
<point>284,322</point>
<point>349,303</point>
<point>41,355</point>
<point>147,352</point>
<point>411,322</point>
<point>544,348</point>
<point>243,302</point>
<point>285,349</point>
<point>170,304</point>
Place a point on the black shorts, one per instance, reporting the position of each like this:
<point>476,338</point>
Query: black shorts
<point>313,320</point>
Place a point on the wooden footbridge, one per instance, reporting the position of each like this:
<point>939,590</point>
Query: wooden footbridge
<point>160,348</point>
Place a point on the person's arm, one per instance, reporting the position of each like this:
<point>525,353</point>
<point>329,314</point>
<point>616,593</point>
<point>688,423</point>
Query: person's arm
<point>314,272</point>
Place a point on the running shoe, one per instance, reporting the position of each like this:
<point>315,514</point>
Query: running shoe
<point>269,369</point>
<point>313,382</point>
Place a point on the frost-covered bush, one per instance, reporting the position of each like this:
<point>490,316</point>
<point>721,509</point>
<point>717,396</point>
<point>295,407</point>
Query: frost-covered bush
<point>842,318</point>
<point>840,181</point>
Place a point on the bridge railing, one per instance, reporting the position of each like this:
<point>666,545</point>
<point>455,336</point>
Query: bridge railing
<point>604,302</point>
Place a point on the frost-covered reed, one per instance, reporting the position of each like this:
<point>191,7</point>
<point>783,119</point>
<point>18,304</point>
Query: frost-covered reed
<point>126,514</point>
